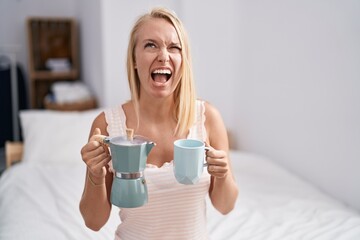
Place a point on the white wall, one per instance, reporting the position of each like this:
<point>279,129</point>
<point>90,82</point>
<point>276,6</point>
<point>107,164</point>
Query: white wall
<point>91,34</point>
<point>284,74</point>
<point>298,82</point>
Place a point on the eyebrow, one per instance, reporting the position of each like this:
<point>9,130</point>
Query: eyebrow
<point>149,40</point>
<point>154,41</point>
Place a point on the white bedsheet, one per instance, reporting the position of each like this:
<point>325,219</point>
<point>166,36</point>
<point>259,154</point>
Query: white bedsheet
<point>274,204</point>
<point>41,202</point>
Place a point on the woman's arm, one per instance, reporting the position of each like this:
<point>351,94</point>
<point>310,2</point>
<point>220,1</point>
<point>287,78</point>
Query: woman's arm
<point>95,206</point>
<point>223,189</point>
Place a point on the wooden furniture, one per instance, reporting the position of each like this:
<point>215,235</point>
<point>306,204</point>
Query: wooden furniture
<point>50,38</point>
<point>76,106</point>
<point>13,152</point>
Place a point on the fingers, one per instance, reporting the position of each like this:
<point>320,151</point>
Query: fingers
<point>94,150</point>
<point>91,146</point>
<point>217,163</point>
<point>213,153</point>
<point>217,171</point>
<point>216,157</point>
<point>95,154</point>
<point>96,140</point>
<point>97,165</point>
<point>96,136</point>
<point>96,160</point>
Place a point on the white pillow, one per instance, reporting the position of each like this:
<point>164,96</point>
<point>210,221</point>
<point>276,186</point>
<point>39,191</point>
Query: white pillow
<point>55,137</point>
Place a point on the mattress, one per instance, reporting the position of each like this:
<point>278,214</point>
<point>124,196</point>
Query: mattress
<point>41,201</point>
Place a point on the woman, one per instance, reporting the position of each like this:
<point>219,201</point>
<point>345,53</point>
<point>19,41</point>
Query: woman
<point>164,108</point>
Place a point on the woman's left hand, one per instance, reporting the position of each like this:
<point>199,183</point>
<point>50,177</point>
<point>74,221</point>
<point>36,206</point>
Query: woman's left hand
<point>217,161</point>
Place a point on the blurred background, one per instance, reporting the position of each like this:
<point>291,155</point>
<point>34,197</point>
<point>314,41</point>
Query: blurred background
<point>284,74</point>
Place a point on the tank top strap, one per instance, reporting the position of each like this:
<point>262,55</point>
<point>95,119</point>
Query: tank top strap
<point>116,121</point>
<point>198,130</point>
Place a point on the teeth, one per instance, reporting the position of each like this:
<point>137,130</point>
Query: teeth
<point>162,71</point>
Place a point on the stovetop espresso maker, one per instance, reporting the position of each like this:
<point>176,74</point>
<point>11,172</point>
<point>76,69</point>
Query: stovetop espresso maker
<point>129,154</point>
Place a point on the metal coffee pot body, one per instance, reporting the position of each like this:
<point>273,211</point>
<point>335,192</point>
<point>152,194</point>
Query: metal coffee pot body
<point>129,157</point>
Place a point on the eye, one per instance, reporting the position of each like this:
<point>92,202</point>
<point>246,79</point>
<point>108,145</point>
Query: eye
<point>149,45</point>
<point>175,48</point>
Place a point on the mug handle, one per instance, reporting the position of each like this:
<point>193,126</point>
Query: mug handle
<point>205,163</point>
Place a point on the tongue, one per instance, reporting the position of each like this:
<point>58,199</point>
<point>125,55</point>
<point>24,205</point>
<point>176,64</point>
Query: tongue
<point>160,78</point>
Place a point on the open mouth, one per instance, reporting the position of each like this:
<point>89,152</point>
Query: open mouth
<point>161,75</point>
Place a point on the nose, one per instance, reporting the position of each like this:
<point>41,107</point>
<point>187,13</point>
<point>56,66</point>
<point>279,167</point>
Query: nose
<point>163,55</point>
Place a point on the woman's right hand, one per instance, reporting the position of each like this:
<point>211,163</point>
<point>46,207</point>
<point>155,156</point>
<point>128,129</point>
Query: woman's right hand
<point>96,155</point>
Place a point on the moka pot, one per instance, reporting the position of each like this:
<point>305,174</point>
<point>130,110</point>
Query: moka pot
<point>129,188</point>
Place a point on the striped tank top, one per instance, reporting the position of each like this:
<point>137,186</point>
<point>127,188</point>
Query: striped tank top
<point>174,211</point>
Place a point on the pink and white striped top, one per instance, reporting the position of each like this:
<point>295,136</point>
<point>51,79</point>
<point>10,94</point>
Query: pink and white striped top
<point>174,211</point>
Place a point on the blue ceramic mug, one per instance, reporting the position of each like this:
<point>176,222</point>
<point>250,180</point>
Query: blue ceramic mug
<point>189,160</point>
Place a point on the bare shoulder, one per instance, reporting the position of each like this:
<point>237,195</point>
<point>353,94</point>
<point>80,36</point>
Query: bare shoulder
<point>213,117</point>
<point>211,112</point>
<point>100,122</point>
<point>215,127</point>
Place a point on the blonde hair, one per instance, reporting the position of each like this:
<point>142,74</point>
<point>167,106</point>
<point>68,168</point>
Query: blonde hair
<point>184,93</point>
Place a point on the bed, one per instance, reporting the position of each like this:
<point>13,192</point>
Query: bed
<point>39,196</point>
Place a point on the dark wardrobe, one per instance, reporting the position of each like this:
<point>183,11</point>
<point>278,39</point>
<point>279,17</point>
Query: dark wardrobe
<point>6,99</point>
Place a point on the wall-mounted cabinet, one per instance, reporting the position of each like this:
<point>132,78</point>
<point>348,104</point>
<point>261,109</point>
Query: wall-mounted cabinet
<point>53,54</point>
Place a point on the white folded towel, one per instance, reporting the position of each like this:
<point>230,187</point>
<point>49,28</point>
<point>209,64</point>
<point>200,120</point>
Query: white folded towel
<point>69,92</point>
<point>58,64</point>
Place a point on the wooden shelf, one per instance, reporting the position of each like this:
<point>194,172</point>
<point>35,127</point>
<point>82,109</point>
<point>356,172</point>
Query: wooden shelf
<point>76,106</point>
<point>45,75</point>
<point>50,38</point>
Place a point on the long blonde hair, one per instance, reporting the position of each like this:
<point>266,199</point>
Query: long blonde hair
<point>184,93</point>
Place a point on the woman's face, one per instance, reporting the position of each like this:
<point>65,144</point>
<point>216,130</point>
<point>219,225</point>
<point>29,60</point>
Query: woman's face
<point>157,58</point>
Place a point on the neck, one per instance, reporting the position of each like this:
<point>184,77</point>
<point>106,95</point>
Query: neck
<point>157,109</point>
